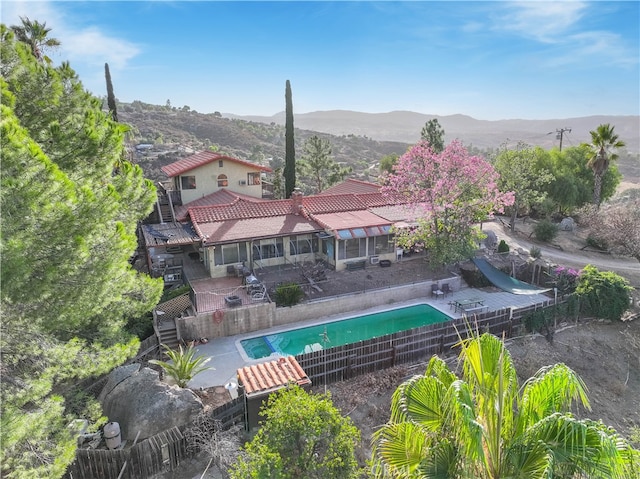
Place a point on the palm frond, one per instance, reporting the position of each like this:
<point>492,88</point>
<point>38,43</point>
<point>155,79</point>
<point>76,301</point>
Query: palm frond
<point>399,449</point>
<point>583,446</point>
<point>552,389</point>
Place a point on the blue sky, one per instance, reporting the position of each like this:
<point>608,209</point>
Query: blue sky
<point>490,60</point>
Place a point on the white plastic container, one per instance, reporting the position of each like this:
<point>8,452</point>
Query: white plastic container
<point>111,434</point>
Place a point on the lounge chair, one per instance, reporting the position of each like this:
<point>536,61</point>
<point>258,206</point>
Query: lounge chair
<point>436,291</point>
<point>446,289</point>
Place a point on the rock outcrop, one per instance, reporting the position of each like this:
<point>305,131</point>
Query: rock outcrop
<point>135,398</point>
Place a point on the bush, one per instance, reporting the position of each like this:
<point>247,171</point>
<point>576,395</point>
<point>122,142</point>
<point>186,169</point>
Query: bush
<point>603,294</point>
<point>535,252</point>
<point>288,294</point>
<point>545,230</point>
<point>597,243</point>
<point>503,247</point>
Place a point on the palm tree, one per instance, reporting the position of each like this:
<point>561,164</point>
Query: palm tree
<point>603,140</point>
<point>183,366</point>
<point>483,426</point>
<point>35,34</point>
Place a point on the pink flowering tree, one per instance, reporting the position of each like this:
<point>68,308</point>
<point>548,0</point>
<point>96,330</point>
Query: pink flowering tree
<point>446,194</point>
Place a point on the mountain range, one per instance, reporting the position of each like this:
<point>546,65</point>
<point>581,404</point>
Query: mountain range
<point>405,127</point>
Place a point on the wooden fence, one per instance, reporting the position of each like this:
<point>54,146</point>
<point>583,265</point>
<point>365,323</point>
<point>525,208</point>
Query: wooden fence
<point>351,360</point>
<point>160,453</point>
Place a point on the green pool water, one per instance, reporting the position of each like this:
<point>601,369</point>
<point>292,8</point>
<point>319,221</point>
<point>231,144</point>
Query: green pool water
<point>345,331</point>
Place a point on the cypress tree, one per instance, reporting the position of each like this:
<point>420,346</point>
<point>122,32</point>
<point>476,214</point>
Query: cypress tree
<point>111,99</point>
<point>290,152</point>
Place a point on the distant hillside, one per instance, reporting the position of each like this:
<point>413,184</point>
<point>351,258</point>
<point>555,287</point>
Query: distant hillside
<point>405,126</point>
<point>359,140</point>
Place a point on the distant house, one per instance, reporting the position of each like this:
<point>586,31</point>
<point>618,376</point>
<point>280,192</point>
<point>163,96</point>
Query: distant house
<point>199,175</point>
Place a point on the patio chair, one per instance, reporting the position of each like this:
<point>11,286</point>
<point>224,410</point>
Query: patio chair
<point>259,295</point>
<point>446,289</point>
<point>436,291</point>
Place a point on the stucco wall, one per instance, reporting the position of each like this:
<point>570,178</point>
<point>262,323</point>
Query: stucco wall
<point>207,180</point>
<point>266,315</point>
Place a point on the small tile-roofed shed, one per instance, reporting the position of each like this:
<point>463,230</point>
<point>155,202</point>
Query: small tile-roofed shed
<point>260,380</point>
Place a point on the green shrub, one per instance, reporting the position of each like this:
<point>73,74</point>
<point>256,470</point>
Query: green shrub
<point>603,294</point>
<point>545,230</point>
<point>503,247</point>
<point>597,243</point>
<point>288,294</point>
<point>535,252</point>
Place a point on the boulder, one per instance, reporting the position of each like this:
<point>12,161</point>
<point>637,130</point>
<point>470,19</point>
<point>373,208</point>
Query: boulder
<point>137,400</point>
<point>567,224</point>
<point>491,241</point>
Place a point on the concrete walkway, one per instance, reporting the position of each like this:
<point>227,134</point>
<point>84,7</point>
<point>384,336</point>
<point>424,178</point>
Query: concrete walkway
<point>227,358</point>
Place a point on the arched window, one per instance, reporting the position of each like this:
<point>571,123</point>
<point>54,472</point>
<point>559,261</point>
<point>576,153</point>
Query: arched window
<point>222,180</point>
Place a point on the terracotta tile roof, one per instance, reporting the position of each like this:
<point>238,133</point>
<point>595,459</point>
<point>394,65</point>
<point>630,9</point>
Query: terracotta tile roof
<point>332,203</point>
<point>203,158</point>
<point>350,219</point>
<point>395,213</point>
<point>239,208</point>
<point>220,197</point>
<point>350,186</point>
<point>260,379</point>
<point>231,230</point>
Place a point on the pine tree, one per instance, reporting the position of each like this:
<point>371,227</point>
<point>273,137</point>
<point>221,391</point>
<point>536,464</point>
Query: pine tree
<point>433,133</point>
<point>290,152</point>
<point>111,99</point>
<point>68,230</point>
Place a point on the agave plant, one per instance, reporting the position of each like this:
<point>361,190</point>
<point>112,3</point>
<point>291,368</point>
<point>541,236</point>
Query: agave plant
<point>183,365</point>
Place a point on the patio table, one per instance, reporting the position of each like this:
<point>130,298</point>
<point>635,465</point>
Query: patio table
<point>464,304</point>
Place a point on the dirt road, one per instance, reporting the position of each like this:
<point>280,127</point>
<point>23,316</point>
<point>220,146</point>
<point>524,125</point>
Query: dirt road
<point>565,249</point>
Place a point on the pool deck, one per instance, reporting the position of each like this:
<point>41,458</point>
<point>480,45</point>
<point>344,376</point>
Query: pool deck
<point>227,355</point>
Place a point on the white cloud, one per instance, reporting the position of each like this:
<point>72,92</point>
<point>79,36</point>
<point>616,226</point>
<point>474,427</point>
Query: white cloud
<point>94,47</point>
<point>87,45</point>
<point>596,48</point>
<point>543,21</point>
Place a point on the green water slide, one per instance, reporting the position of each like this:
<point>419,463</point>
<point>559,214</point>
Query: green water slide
<point>504,281</point>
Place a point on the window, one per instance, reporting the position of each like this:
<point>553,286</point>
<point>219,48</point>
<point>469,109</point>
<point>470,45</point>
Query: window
<point>253,178</point>
<point>303,244</point>
<point>352,248</point>
<point>268,248</point>
<point>188,182</point>
<point>230,253</point>
<point>381,244</point>
<point>220,163</point>
<point>222,180</point>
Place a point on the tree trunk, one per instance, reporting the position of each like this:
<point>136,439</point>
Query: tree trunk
<point>597,188</point>
<point>513,217</point>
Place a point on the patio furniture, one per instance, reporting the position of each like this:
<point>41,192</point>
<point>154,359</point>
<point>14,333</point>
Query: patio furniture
<point>259,295</point>
<point>468,305</point>
<point>233,300</point>
<point>446,289</point>
<point>436,291</point>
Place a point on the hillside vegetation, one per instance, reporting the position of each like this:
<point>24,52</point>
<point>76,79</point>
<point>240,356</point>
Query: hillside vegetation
<point>358,140</point>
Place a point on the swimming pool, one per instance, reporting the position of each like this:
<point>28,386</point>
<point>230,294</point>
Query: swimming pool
<point>345,331</point>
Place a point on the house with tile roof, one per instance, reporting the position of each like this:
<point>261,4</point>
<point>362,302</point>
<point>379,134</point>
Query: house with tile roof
<point>199,175</point>
<point>346,227</point>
